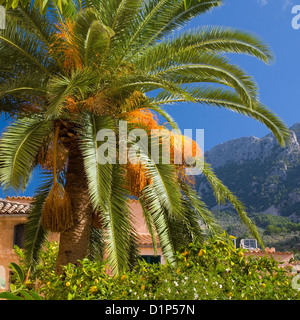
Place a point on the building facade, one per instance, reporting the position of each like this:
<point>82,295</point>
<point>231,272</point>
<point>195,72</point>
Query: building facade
<point>13,216</point>
<point>14,212</point>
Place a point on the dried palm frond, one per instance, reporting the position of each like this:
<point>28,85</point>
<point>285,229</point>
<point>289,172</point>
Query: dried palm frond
<point>100,103</point>
<point>65,46</point>
<point>136,178</point>
<point>57,212</point>
<point>45,156</point>
<point>71,104</point>
<point>180,143</point>
<point>97,220</point>
<point>134,101</point>
<point>148,120</point>
<point>56,215</point>
<point>144,118</point>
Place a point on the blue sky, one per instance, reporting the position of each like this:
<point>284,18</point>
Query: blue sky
<point>279,82</point>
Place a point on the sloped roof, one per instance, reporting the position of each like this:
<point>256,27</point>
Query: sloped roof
<point>272,250</point>
<point>15,205</point>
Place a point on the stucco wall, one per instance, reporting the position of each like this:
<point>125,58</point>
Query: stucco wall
<point>7,255</point>
<point>9,221</point>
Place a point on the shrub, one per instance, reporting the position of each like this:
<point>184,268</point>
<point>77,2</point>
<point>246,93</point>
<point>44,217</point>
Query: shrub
<point>214,270</point>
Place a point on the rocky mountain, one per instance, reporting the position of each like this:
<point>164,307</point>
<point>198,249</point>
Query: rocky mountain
<point>265,176</point>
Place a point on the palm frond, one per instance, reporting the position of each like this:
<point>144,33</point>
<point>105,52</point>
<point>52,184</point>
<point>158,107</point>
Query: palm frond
<point>118,13</point>
<point>186,230</point>
<point>147,83</point>
<point>164,114</point>
<point>96,245</point>
<point>30,19</point>
<point>61,87</point>
<point>92,37</point>
<point>19,44</point>
<point>182,15</point>
<point>203,213</point>
<point>99,175</point>
<point>162,176</point>
<point>117,223</point>
<point>19,147</point>
<point>157,18</point>
<point>222,193</point>
<point>35,235</point>
<point>218,40</point>
<point>150,225</point>
<point>23,87</point>
<point>151,204</point>
<point>218,97</point>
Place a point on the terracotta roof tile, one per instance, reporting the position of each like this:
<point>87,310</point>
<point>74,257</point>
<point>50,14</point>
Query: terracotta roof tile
<point>12,207</point>
<point>18,198</point>
<point>276,252</point>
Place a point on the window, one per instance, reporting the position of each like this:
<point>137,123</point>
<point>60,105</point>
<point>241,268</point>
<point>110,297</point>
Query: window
<point>152,259</point>
<point>249,243</point>
<point>19,235</point>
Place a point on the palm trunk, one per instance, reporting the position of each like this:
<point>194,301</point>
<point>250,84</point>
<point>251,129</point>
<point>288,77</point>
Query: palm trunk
<point>73,245</point>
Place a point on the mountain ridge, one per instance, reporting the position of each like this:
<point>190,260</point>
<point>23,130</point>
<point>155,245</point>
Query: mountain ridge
<point>265,176</point>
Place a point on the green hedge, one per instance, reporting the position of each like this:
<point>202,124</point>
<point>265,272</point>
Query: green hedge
<point>215,270</point>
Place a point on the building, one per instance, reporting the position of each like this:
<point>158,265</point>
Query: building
<point>13,216</point>
<point>15,210</point>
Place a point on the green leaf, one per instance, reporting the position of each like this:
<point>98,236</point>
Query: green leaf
<point>35,235</point>
<point>120,235</point>
<point>35,296</point>
<point>15,3</point>
<point>187,4</point>
<point>18,270</point>
<point>12,287</point>
<point>26,295</point>
<point>9,296</point>
<point>99,175</point>
<point>20,144</point>
<point>61,87</point>
<point>222,193</point>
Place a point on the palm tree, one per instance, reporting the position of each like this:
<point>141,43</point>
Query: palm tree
<point>69,73</point>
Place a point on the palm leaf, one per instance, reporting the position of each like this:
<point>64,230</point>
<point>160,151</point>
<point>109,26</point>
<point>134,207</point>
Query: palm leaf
<point>150,225</point>
<point>92,37</point>
<point>203,214</point>
<point>61,87</point>
<point>117,222</point>
<point>157,18</point>
<point>210,39</point>
<point>96,244</point>
<point>218,97</point>
<point>19,147</point>
<point>119,12</point>
<point>31,20</point>
<point>163,176</point>
<point>35,235</point>
<point>222,193</point>
<point>99,175</point>
<point>18,44</point>
<point>151,205</point>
